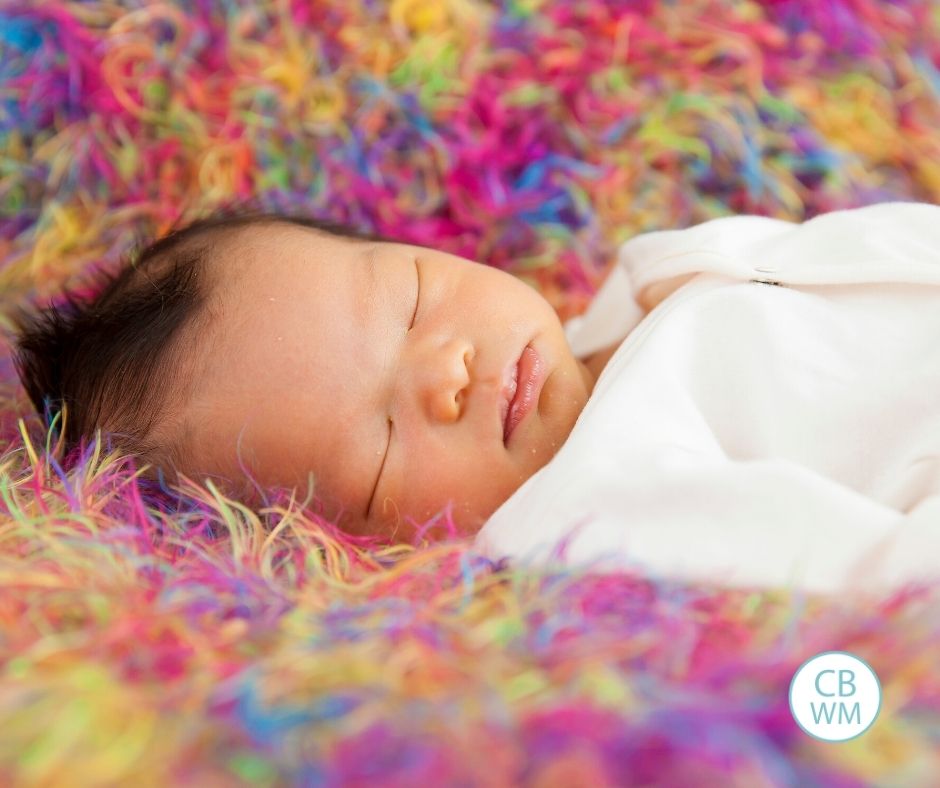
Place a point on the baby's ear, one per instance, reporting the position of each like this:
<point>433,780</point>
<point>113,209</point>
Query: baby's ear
<point>650,296</point>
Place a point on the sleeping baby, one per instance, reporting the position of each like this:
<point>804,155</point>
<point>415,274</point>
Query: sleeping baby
<point>749,402</point>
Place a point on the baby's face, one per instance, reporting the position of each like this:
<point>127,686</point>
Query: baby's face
<point>383,369</point>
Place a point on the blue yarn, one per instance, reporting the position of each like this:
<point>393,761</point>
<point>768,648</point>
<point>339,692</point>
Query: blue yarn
<point>19,33</point>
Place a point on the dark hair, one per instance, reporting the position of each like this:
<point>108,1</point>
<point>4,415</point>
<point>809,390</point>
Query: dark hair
<point>108,363</point>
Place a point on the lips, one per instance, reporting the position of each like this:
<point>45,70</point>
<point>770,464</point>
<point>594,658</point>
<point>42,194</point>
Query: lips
<point>521,389</point>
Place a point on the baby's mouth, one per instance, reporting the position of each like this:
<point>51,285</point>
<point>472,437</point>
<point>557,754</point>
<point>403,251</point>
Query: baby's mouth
<point>511,378</point>
<point>527,379</point>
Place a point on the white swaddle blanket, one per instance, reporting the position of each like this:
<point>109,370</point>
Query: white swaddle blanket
<point>749,434</point>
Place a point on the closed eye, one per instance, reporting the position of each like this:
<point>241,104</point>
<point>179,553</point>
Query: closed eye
<point>417,296</point>
<point>414,317</point>
<point>378,477</point>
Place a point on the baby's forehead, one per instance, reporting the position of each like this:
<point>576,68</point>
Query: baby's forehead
<point>244,264</point>
<point>265,243</point>
<point>276,352</point>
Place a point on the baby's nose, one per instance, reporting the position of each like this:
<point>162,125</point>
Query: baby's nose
<point>445,379</point>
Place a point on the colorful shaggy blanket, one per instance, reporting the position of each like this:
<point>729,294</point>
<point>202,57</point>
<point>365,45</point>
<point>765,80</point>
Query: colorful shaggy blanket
<point>207,644</point>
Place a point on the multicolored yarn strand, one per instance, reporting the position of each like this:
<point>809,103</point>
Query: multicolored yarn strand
<point>205,643</point>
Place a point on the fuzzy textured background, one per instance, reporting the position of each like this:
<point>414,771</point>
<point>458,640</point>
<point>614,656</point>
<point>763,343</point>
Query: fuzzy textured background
<point>207,644</point>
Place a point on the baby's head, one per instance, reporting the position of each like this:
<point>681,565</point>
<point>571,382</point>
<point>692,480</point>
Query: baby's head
<point>283,347</point>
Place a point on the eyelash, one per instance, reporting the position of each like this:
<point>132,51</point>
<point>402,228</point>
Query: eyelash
<point>381,468</point>
<point>417,296</point>
<point>414,317</point>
